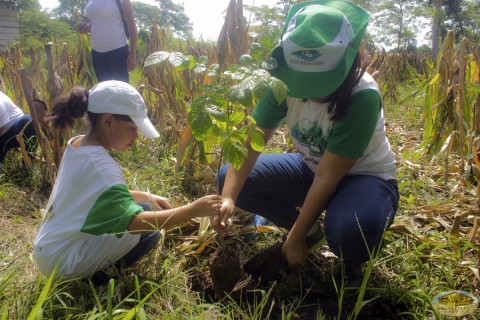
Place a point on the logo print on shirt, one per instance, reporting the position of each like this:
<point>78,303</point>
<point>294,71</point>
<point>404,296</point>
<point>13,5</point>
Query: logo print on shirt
<point>311,135</point>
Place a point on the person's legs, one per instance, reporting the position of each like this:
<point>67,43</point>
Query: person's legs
<point>117,62</point>
<point>357,215</point>
<point>9,140</point>
<point>276,186</point>
<point>147,243</point>
<point>100,64</point>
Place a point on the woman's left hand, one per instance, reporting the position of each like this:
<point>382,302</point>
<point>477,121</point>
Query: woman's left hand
<point>131,62</point>
<point>294,251</point>
<point>160,203</point>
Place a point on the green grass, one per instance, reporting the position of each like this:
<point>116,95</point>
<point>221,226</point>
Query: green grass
<point>420,259</point>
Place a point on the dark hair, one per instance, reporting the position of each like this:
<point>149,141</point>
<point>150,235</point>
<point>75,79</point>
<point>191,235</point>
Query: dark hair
<point>68,107</point>
<point>73,105</point>
<point>340,99</point>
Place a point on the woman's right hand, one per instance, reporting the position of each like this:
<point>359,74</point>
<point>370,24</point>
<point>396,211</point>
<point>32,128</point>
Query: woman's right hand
<point>206,206</point>
<point>83,28</point>
<point>219,222</point>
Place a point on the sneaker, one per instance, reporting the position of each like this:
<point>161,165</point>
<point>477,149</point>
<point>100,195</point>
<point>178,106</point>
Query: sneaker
<point>258,221</point>
<point>316,239</point>
<point>354,273</point>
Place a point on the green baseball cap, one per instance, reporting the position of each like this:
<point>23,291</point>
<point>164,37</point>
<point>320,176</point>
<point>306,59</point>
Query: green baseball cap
<point>319,43</point>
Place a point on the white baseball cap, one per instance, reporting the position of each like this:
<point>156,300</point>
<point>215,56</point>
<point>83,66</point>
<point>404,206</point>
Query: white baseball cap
<point>118,97</point>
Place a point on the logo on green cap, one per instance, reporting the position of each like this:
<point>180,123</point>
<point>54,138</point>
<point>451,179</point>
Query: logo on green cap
<point>308,55</point>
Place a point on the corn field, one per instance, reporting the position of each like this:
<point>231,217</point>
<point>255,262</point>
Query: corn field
<point>450,85</point>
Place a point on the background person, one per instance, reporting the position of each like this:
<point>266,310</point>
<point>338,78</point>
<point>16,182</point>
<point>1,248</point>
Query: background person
<point>12,121</point>
<point>334,116</point>
<point>92,220</point>
<point>111,56</point>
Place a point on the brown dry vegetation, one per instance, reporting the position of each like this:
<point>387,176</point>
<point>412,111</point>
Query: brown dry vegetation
<point>432,246</point>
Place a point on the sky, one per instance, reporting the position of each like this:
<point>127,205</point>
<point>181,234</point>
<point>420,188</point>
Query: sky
<point>206,15</point>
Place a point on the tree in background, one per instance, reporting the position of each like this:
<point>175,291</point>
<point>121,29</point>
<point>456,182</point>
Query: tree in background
<point>459,15</point>
<point>172,17</point>
<point>266,24</point>
<point>396,22</point>
<point>22,5</point>
<point>67,11</point>
<point>145,14</point>
<point>38,27</point>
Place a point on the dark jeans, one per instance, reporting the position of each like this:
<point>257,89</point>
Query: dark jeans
<point>278,185</point>
<point>111,65</point>
<point>9,141</point>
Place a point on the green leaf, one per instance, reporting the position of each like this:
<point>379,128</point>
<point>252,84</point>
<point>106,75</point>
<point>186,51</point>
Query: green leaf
<point>258,141</point>
<point>279,89</point>
<point>261,73</point>
<point>213,70</point>
<point>245,70</point>
<point>217,130</point>
<point>474,86</point>
<point>256,50</point>
<point>249,82</point>
<point>199,102</point>
<point>235,153</point>
<point>246,60</point>
<point>176,59</point>
<point>203,60</point>
<point>269,63</point>
<point>37,309</point>
<point>201,124</point>
<point>237,117</point>
<point>238,76</point>
<point>217,99</point>
<point>238,93</point>
<point>261,88</point>
<point>199,68</point>
<point>187,63</point>
<point>245,97</point>
<point>216,113</point>
<point>234,93</point>
<point>157,58</point>
<point>239,135</point>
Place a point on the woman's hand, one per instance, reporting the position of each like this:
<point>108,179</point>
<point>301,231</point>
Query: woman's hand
<point>206,206</point>
<point>83,28</point>
<point>131,61</point>
<point>219,222</point>
<point>160,203</point>
<point>294,251</point>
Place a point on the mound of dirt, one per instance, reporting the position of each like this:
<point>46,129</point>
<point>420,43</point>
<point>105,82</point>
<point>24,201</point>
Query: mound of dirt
<point>226,272</point>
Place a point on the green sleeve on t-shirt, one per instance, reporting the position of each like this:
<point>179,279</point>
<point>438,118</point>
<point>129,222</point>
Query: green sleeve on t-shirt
<point>268,113</point>
<point>112,212</point>
<point>350,137</point>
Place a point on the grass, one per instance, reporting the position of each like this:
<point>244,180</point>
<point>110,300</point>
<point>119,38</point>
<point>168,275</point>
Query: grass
<point>421,257</point>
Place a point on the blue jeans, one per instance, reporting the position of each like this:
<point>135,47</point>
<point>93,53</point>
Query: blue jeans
<point>9,141</point>
<point>278,184</point>
<point>111,65</point>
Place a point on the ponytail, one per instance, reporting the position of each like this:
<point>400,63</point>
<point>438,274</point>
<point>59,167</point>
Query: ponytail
<point>68,107</point>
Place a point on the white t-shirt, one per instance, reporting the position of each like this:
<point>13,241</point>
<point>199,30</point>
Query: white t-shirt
<point>107,31</point>
<point>85,224</point>
<point>9,113</point>
<point>360,135</point>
